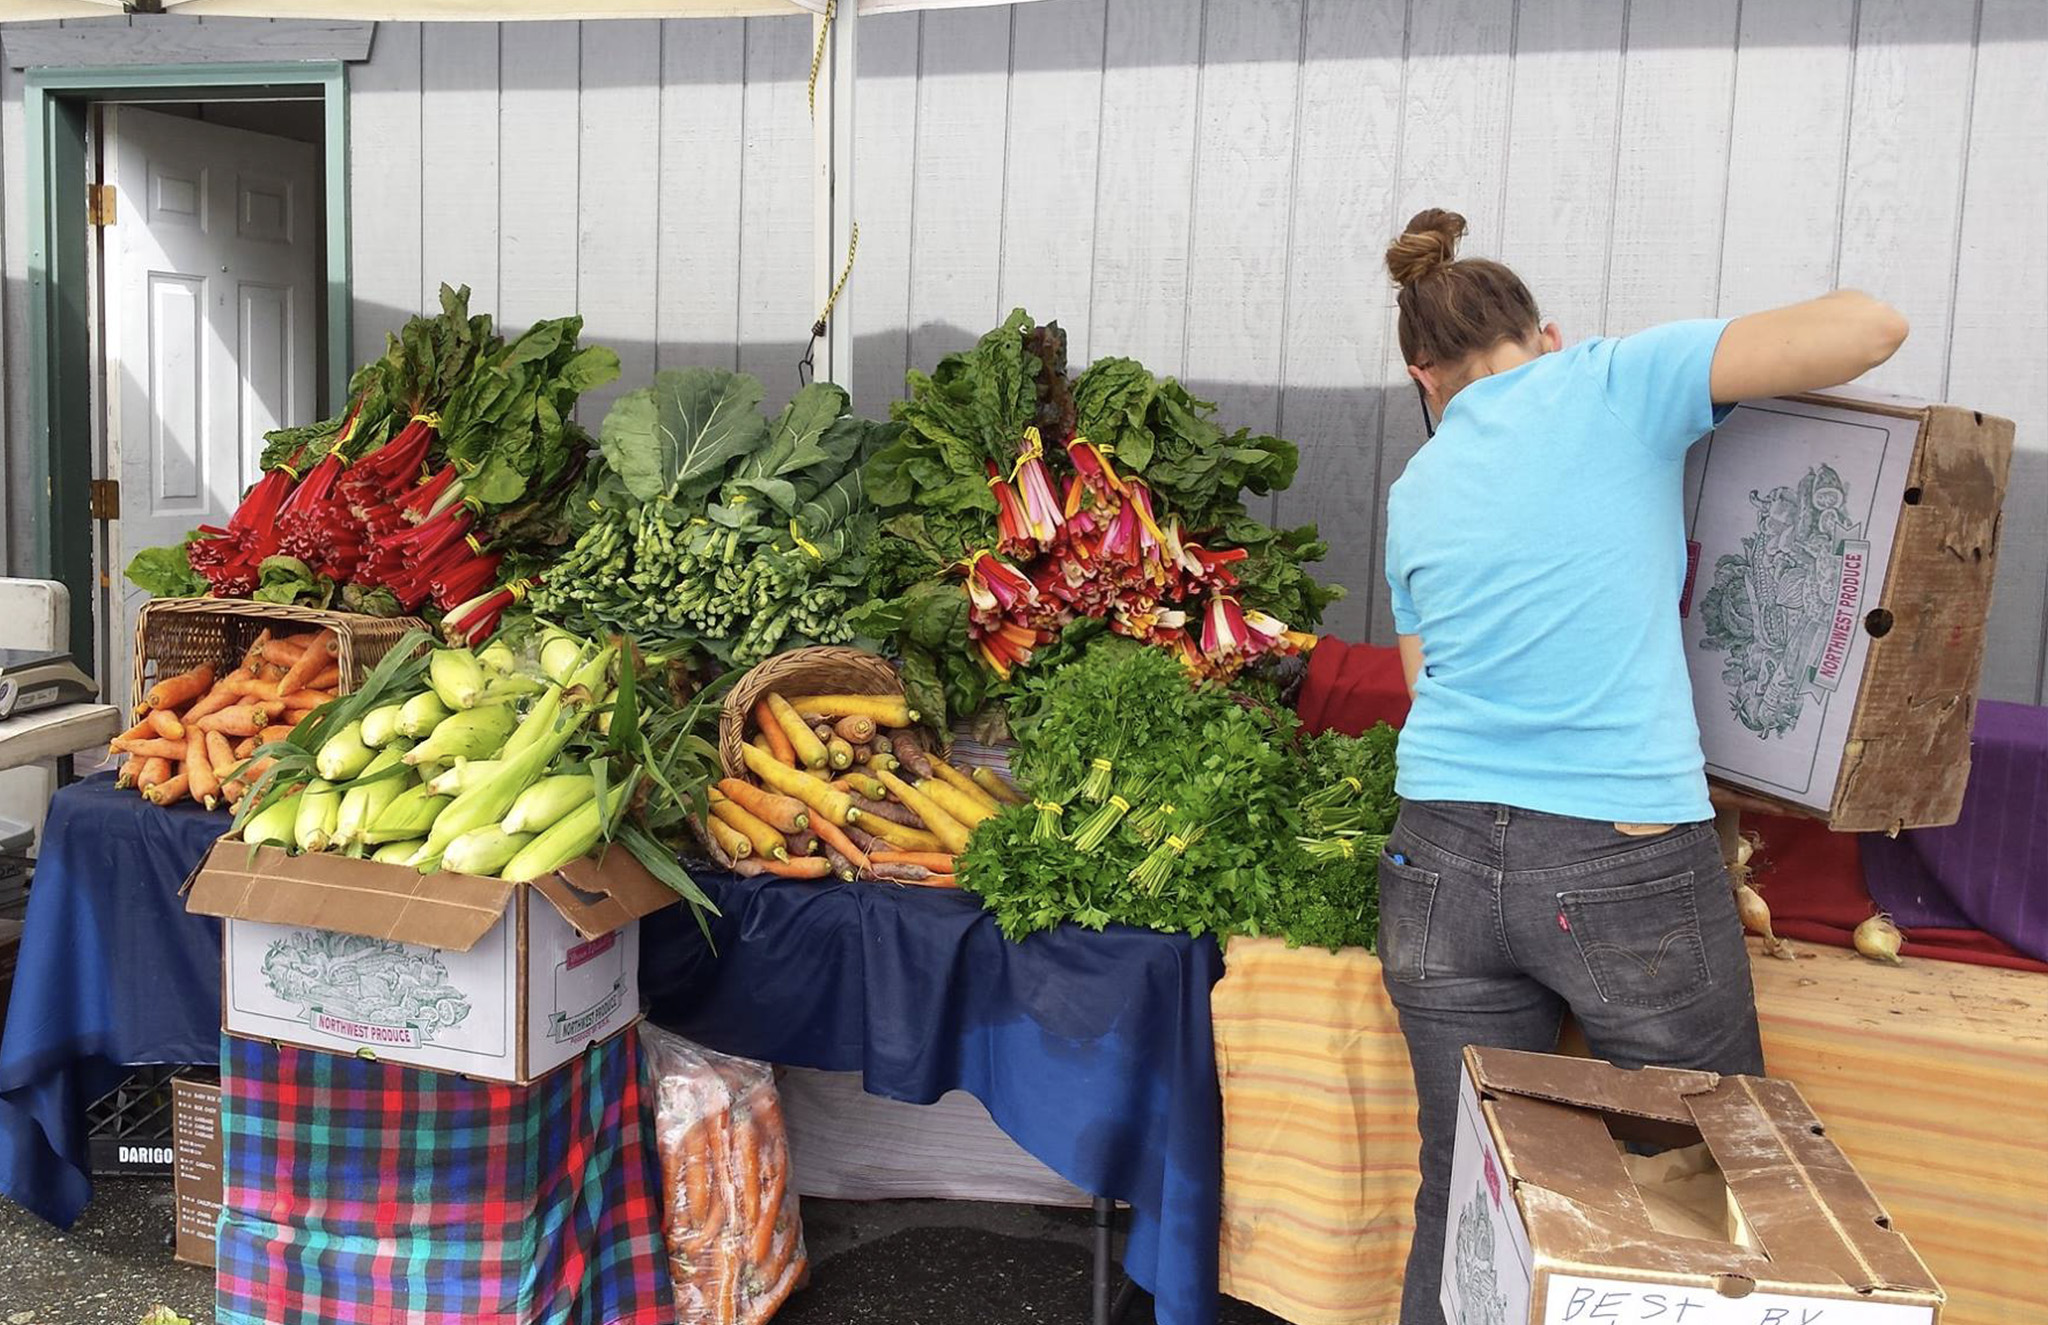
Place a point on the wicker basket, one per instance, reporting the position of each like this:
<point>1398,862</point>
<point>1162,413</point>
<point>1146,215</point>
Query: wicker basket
<point>175,635</point>
<point>819,671</point>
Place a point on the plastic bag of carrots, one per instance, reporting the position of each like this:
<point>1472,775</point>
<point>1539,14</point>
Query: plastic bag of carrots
<point>735,1241</point>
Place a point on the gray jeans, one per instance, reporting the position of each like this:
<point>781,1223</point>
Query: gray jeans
<point>1493,921</point>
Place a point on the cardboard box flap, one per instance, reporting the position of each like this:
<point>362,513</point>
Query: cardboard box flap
<point>1799,1192</point>
<point>1567,1151</point>
<point>1658,1094</point>
<point>318,891</point>
<point>599,898</point>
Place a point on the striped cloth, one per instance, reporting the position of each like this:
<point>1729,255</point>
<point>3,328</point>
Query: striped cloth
<point>1933,1078</point>
<point>360,1193</point>
<point>1318,1134</point>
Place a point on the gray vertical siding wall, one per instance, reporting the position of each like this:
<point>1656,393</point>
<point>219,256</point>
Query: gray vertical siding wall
<point>1207,184</point>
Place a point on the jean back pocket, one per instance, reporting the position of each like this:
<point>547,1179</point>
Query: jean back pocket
<point>1641,942</point>
<point>1407,896</point>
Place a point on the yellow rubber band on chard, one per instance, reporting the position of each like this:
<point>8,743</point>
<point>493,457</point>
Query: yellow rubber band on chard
<point>1033,449</point>
<point>593,504</point>
<point>805,543</point>
<point>431,419</point>
<point>474,545</point>
<point>1097,785</point>
<point>1047,829</point>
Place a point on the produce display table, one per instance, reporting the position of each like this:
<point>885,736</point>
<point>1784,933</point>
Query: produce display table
<point>1093,1051</point>
<point>1928,1075</point>
<point>113,974</point>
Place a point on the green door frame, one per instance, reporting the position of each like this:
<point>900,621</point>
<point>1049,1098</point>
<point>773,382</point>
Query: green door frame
<point>54,104</point>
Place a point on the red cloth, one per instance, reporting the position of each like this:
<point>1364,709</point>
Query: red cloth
<point>1812,878</point>
<point>1352,687</point>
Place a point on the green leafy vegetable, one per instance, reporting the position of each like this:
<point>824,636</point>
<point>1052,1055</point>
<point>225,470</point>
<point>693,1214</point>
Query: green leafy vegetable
<point>166,572</point>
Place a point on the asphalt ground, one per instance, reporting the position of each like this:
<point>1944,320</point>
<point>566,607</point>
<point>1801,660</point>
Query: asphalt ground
<point>873,1263</point>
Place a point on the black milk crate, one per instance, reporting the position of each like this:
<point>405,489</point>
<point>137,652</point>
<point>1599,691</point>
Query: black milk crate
<point>130,1126</point>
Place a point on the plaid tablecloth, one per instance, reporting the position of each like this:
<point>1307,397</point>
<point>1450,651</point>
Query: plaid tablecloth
<point>359,1193</point>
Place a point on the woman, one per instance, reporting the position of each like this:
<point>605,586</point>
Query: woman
<point>1555,847</point>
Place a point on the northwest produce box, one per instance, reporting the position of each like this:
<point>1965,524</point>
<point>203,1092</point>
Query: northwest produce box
<point>1841,555</point>
<point>492,979</point>
<point>1747,1214</point>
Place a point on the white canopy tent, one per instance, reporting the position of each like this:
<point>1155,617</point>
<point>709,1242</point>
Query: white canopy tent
<point>834,233</point>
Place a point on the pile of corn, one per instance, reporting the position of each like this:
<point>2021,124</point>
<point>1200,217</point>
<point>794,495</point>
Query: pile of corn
<point>472,773</point>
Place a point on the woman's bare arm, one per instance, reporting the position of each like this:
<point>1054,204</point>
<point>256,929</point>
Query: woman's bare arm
<point>1411,660</point>
<point>1803,347</point>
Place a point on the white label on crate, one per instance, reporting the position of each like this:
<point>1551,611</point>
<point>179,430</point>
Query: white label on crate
<point>1792,509</point>
<point>1572,1300</point>
<point>577,990</point>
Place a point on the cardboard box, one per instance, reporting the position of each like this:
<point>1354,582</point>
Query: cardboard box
<point>1750,1215</point>
<point>1842,551</point>
<point>452,972</point>
<point>195,1178</point>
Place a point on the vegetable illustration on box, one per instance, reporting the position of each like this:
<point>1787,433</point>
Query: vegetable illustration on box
<point>374,982</point>
<point>1480,1301</point>
<point>1785,608</point>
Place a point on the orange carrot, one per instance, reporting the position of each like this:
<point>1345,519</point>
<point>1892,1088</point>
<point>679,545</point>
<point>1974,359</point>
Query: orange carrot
<point>282,653</point>
<point>771,731</point>
<point>170,791</point>
<point>141,731</point>
<point>131,768</point>
<point>762,1241</point>
<point>182,689</point>
<point>216,699</point>
<point>785,814</point>
<point>937,862</point>
<point>220,754</point>
<point>154,748</point>
<point>830,833</point>
<point>199,769</point>
<point>276,732</point>
<point>318,656</point>
<point>251,688</point>
<point>303,701</point>
<point>329,679</point>
<point>244,747</point>
<point>306,638</point>
<point>803,867</point>
<point>155,769</point>
<point>232,791</point>
<point>165,724</point>
<point>857,730</point>
<point>242,720</point>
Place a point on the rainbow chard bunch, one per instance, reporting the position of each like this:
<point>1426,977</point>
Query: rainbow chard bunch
<point>1111,497</point>
<point>440,487</point>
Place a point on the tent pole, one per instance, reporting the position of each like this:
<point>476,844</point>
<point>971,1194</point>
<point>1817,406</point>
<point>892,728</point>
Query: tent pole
<point>832,192</point>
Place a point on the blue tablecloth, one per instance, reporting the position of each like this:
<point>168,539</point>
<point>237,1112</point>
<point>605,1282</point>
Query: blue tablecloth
<point>1093,1051</point>
<point>113,973</point>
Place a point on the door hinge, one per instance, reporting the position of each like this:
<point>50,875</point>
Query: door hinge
<point>99,204</point>
<point>103,499</point>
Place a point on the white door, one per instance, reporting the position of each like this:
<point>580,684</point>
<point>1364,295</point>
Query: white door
<point>212,329</point>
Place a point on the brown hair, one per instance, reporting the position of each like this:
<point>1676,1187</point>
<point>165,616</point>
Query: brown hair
<point>1453,307</point>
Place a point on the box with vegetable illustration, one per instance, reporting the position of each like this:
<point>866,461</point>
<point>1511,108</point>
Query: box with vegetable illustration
<point>489,978</point>
<point>1841,553</point>
<point>1583,1194</point>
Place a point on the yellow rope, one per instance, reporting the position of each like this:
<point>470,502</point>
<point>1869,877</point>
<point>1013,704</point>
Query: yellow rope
<point>818,56</point>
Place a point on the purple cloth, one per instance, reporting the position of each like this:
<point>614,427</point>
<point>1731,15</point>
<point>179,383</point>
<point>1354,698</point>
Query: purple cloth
<point>1989,870</point>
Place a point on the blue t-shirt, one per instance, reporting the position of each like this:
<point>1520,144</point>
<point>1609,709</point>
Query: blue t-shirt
<point>1536,545</point>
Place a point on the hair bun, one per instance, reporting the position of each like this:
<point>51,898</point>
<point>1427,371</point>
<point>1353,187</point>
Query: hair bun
<point>1429,243</point>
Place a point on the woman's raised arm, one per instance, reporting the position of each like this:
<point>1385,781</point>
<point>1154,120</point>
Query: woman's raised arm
<point>1803,347</point>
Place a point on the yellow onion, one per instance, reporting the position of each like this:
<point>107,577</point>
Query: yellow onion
<point>1878,939</point>
<point>1756,918</point>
